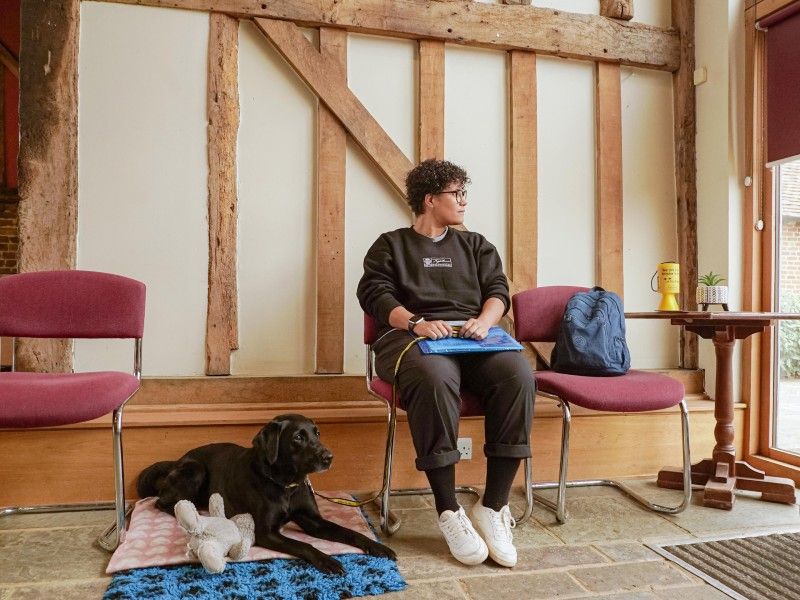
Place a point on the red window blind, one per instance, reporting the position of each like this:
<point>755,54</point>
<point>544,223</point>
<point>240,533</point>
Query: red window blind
<point>783,83</point>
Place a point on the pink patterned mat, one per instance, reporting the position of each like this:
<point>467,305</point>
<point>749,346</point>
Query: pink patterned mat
<point>154,538</point>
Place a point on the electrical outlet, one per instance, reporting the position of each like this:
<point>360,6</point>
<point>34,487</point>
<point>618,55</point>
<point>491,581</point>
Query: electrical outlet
<point>464,446</point>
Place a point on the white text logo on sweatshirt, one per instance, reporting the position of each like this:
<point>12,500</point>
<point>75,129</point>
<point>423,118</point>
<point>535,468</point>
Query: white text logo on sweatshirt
<point>429,263</point>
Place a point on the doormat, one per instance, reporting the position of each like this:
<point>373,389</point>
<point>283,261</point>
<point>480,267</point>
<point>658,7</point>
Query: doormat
<point>763,567</point>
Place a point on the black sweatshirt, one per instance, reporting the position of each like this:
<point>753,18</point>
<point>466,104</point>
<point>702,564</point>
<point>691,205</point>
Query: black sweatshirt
<point>450,279</point>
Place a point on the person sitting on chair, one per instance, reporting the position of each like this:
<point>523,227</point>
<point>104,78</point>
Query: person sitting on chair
<point>415,280</point>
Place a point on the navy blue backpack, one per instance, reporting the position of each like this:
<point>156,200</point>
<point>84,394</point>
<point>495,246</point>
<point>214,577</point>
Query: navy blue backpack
<point>591,340</point>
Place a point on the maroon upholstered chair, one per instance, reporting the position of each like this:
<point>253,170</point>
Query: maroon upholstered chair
<point>470,407</point>
<point>72,304</point>
<point>537,318</point>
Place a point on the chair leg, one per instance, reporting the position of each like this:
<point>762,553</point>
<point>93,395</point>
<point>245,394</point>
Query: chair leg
<point>562,484</point>
<point>560,505</point>
<point>528,493</point>
<point>115,534</point>
<point>389,522</point>
<point>109,539</point>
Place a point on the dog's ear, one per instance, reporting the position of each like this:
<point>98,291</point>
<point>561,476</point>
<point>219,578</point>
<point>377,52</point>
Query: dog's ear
<point>268,440</point>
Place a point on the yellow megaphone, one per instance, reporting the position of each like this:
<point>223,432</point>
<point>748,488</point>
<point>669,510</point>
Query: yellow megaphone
<point>669,284</point>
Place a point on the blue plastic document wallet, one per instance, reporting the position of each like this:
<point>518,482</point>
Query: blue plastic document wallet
<point>497,341</point>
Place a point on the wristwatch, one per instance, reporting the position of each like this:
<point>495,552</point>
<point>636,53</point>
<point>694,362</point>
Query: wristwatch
<point>413,321</point>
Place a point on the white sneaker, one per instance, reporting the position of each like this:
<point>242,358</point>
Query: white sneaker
<point>495,528</point>
<point>464,542</point>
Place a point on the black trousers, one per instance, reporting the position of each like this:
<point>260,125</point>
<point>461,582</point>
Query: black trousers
<point>429,386</point>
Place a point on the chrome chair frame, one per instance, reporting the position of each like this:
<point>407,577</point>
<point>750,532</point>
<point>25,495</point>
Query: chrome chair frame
<point>559,506</point>
<point>390,522</point>
<point>115,533</point>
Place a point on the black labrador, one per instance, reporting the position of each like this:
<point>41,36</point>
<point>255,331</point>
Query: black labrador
<point>268,481</point>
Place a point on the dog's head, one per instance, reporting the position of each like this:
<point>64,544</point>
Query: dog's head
<point>289,447</point>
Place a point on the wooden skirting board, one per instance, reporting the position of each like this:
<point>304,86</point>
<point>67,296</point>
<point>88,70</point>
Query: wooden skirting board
<point>73,463</point>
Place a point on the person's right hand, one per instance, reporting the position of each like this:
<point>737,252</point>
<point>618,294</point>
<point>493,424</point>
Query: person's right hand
<point>433,330</point>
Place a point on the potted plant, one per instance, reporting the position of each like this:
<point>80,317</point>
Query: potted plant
<point>710,291</point>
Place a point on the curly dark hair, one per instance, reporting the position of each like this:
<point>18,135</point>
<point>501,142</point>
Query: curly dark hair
<point>428,177</point>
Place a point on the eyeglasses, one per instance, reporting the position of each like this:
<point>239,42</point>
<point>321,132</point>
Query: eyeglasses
<point>459,195</point>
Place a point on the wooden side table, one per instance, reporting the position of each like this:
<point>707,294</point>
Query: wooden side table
<point>722,473</point>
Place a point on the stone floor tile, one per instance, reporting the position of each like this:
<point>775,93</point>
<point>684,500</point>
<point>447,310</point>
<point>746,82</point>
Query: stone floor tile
<point>443,566</point>
<point>529,586</point>
<point>83,590</point>
<point>627,552</point>
<point>34,556</point>
<point>629,577</point>
<point>89,518</point>
<point>604,518</point>
<point>747,514</point>
<point>434,590</point>
<point>419,534</point>
<point>629,596</point>
<point>551,557</point>
<point>697,592</point>
<point>532,534</point>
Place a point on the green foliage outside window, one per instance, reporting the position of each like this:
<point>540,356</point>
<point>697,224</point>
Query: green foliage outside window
<point>789,337</point>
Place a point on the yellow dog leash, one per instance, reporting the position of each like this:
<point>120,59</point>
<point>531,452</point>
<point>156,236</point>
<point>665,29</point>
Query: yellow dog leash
<point>347,501</point>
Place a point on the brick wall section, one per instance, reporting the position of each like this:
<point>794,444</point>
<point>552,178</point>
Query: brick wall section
<point>790,255</point>
<point>9,238</point>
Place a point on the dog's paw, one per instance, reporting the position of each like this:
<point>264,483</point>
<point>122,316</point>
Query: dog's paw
<point>376,549</point>
<point>329,565</point>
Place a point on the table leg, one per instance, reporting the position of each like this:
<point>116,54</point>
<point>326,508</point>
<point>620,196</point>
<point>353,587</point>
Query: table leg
<point>723,473</point>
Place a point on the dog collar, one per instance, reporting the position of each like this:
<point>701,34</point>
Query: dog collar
<point>287,486</point>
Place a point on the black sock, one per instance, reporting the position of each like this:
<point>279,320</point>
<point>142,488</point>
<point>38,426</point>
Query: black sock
<point>500,473</point>
<point>443,486</point>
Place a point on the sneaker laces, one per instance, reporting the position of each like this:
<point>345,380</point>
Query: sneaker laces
<point>502,523</point>
<point>459,523</point>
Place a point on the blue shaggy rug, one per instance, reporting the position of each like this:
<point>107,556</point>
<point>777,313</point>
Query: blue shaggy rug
<point>279,579</point>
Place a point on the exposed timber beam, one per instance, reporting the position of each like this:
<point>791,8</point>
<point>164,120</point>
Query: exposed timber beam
<point>331,178</point>
<point>222,333</point>
<point>48,157</point>
<point>324,76</point>
<point>542,30</point>
<point>685,126</point>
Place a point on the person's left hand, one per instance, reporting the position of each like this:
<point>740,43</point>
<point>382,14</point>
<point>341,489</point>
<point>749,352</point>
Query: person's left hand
<point>474,329</point>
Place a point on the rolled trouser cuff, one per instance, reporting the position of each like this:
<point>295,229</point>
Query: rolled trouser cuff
<point>507,450</point>
<point>437,461</point>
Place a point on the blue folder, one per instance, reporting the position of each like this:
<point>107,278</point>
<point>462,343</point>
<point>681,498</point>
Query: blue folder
<point>497,341</point>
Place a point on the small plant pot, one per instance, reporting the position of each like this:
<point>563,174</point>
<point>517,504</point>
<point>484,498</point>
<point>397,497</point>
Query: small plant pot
<point>712,294</point>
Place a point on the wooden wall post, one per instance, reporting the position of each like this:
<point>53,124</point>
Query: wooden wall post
<point>222,334</point>
<point>331,155</point>
<point>683,98</point>
<point>524,207</point>
<point>48,156</point>
<point>608,219</point>
<point>431,99</point>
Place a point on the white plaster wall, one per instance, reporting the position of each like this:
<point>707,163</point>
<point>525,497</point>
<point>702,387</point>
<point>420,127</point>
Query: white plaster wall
<point>475,117</point>
<point>382,73</point>
<point>566,155</point>
<point>275,253</point>
<point>649,222</point>
<point>142,175</point>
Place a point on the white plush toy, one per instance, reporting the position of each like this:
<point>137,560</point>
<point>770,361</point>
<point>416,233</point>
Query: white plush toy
<point>213,538</point>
